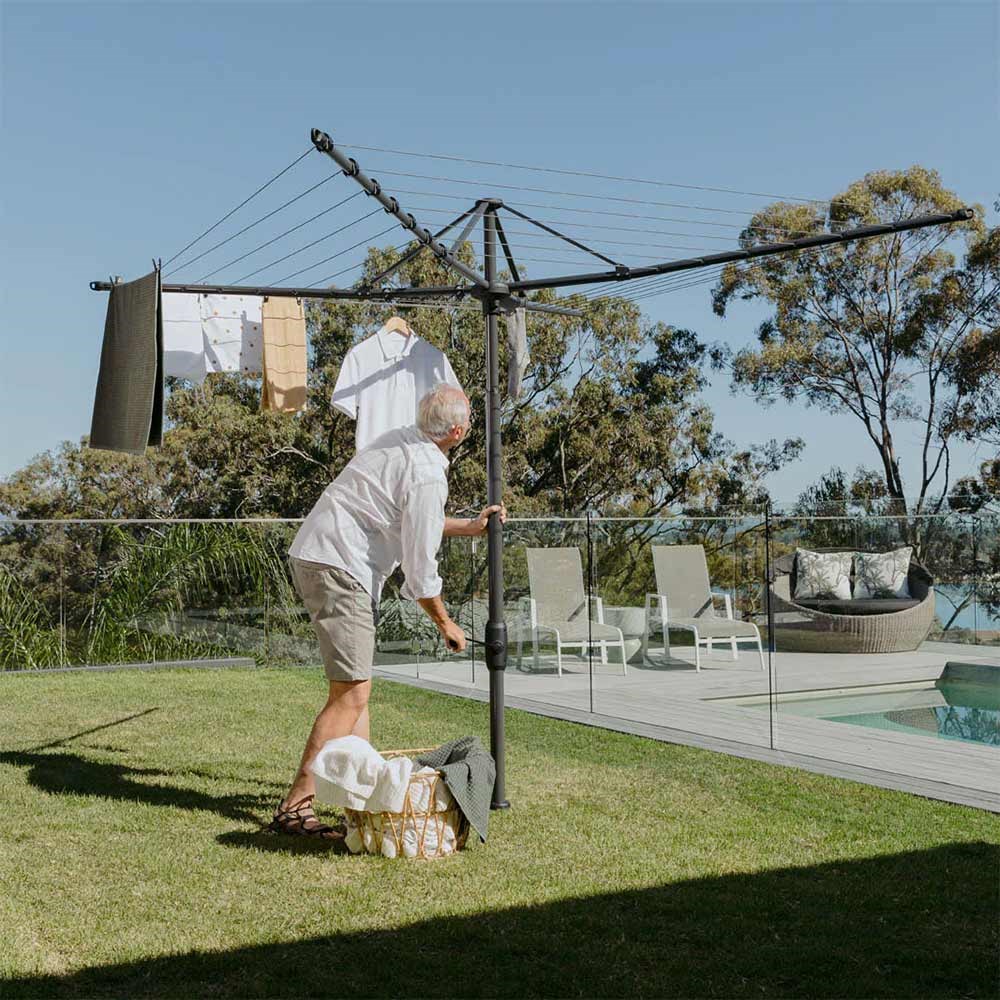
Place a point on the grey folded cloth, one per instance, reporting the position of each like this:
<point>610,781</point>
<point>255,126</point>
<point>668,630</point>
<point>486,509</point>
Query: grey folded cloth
<point>128,404</point>
<point>469,772</point>
<point>517,351</point>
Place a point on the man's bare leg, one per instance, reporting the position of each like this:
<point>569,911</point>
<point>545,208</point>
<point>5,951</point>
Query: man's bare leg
<point>345,710</point>
<point>362,727</point>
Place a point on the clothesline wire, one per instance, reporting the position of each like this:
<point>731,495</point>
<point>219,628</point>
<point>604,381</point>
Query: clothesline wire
<point>321,239</point>
<point>634,292</point>
<point>626,253</point>
<point>655,280</point>
<point>914,238</point>
<point>571,224</point>
<point>597,211</point>
<point>287,232</point>
<point>518,257</point>
<point>678,282</point>
<point>657,285</point>
<point>313,243</point>
<point>604,241</point>
<point>245,201</point>
<point>648,287</point>
<point>629,289</point>
<point>341,253</point>
<point>257,222</point>
<point>524,232</point>
<point>486,185</point>
<point>401,247</point>
<point>406,246</point>
<point>572,173</point>
<point>324,212</point>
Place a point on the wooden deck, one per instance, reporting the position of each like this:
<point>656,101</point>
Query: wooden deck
<point>670,701</point>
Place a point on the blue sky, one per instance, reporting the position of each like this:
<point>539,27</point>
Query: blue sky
<point>128,128</point>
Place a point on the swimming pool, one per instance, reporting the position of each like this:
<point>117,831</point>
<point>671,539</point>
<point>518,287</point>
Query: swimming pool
<point>960,705</point>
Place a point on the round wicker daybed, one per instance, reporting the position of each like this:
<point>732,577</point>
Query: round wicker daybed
<point>857,626</point>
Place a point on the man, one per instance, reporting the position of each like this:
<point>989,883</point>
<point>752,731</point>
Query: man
<point>386,509</point>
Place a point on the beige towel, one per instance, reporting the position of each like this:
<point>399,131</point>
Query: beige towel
<point>284,355</point>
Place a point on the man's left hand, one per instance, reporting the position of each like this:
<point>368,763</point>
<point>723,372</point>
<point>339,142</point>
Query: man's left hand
<point>477,525</point>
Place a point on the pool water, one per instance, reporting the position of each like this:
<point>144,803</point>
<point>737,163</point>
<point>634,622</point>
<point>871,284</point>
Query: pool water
<point>944,709</point>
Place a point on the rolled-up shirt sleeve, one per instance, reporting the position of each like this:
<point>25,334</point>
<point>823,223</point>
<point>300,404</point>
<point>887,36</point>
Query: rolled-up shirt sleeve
<point>421,532</point>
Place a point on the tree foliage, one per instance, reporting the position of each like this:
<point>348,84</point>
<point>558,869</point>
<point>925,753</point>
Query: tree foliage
<point>892,330</point>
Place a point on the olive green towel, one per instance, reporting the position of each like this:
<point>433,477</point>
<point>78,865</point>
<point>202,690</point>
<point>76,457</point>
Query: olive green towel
<point>128,405</point>
<point>469,772</point>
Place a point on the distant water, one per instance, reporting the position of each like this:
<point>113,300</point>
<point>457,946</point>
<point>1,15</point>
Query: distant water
<point>969,617</point>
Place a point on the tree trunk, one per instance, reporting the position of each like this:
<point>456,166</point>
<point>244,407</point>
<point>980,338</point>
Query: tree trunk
<point>890,465</point>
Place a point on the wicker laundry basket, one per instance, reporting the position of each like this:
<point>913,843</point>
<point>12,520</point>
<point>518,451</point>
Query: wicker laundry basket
<point>424,826</point>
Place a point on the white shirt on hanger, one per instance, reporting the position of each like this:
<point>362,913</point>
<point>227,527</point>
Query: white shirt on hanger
<point>385,509</point>
<point>383,379</point>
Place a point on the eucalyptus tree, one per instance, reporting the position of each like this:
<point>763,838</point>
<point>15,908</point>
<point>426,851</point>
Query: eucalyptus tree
<point>887,330</point>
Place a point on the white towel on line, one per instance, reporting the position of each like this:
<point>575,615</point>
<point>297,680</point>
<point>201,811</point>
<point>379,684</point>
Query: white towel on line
<point>183,340</point>
<point>211,333</point>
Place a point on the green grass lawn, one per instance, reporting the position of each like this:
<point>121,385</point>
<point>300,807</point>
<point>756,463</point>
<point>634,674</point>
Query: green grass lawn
<point>132,862</point>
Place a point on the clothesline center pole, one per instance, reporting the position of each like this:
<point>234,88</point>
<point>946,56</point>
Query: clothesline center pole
<point>496,628</point>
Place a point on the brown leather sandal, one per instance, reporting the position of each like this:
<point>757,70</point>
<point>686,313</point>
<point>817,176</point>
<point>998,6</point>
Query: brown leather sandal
<point>299,819</point>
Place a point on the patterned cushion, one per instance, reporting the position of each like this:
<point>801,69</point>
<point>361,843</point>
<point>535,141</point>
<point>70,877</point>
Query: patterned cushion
<point>882,574</point>
<point>823,574</point>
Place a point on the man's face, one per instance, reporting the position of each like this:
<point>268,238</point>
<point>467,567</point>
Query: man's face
<point>465,429</point>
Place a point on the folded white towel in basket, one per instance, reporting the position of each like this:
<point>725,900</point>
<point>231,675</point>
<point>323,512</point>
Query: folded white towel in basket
<point>351,773</point>
<point>420,792</point>
<point>416,830</point>
<point>390,790</point>
<point>408,831</point>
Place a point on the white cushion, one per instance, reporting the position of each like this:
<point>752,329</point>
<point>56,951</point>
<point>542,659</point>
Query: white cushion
<point>823,574</point>
<point>882,574</point>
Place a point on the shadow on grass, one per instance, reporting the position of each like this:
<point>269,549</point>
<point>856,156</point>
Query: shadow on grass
<point>65,773</point>
<point>904,925</point>
<point>276,843</point>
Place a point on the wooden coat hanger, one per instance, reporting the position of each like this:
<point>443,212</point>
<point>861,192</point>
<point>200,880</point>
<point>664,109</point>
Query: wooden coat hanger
<point>396,324</point>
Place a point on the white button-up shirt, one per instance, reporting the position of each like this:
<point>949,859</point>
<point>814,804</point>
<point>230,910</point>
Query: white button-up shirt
<point>383,379</point>
<point>385,509</point>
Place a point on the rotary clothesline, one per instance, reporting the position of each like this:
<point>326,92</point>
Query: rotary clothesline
<point>495,295</point>
<point>564,224</point>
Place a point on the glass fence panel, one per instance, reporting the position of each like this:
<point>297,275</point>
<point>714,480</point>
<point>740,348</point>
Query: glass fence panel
<point>32,633</point>
<point>208,586</point>
<point>678,599</point>
<point>945,546</point>
<point>871,627</point>
<point>110,593</point>
<point>986,583</point>
<point>289,638</point>
<point>408,643</point>
<point>907,684</point>
<point>546,568</point>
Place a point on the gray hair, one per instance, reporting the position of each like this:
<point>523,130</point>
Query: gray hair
<point>441,409</point>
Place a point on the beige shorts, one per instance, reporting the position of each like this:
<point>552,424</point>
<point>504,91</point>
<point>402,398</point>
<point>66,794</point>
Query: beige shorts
<point>342,615</point>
